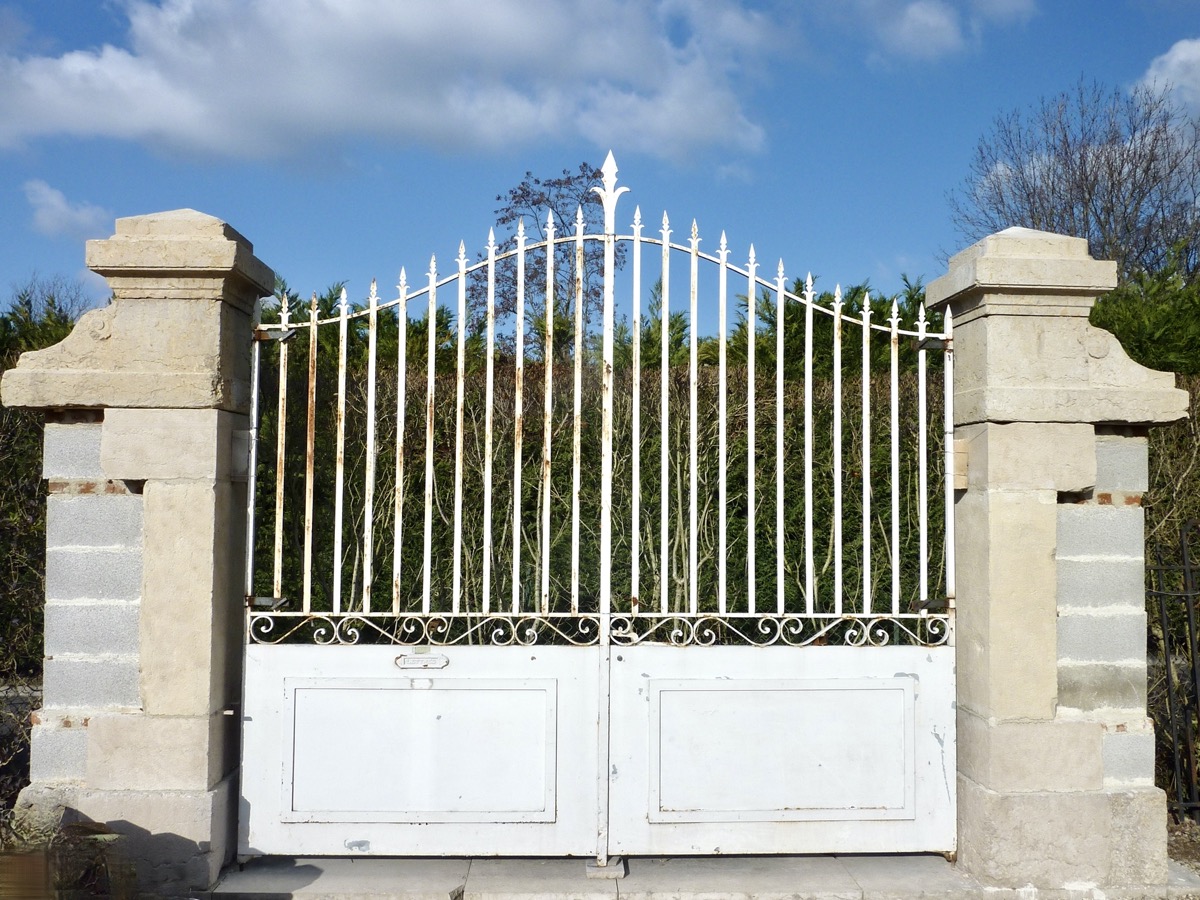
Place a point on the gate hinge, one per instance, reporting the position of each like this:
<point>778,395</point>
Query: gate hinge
<point>263,335</point>
<point>267,603</point>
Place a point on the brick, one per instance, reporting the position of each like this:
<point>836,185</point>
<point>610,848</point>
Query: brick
<point>57,753</point>
<point>1086,530</point>
<point>1129,758</point>
<point>93,574</point>
<point>104,627</point>
<point>93,520</point>
<point>110,681</point>
<point>1091,583</point>
<point>1098,686</point>
<point>1122,464</point>
<point>1102,638</point>
<point>71,451</point>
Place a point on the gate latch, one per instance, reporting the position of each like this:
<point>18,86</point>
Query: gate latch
<point>422,661</point>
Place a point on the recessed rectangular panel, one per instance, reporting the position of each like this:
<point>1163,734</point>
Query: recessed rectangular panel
<point>422,750</point>
<point>780,750</point>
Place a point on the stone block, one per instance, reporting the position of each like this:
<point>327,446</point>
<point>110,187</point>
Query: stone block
<point>92,627</point>
<point>1006,618</point>
<point>58,753</point>
<point>191,609</point>
<point>169,443</point>
<point>178,840</point>
<point>107,681</point>
<point>1101,686</point>
<point>71,451</point>
<point>1087,530</point>
<point>1109,637</point>
<point>1030,456</point>
<point>136,752</point>
<point>1122,463</point>
<point>1129,758</point>
<point>1030,756</point>
<point>93,574</point>
<point>1104,582</point>
<point>1138,849</point>
<point>93,520</point>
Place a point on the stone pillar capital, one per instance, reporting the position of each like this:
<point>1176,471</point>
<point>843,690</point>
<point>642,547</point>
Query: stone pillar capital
<point>177,333</point>
<point>1024,348</point>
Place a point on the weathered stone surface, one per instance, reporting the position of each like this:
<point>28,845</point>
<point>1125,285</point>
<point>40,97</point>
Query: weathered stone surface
<point>1102,686</point>
<point>138,752</point>
<point>1029,456</point>
<point>1018,757</point>
<point>169,443</point>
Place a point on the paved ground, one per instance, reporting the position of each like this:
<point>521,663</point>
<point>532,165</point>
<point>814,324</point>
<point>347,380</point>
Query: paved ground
<point>722,878</point>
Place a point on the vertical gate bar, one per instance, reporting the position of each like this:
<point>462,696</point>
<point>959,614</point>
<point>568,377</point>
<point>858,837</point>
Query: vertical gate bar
<point>577,412</point>
<point>837,450</point>
<point>751,342</point>
<point>895,439</point>
<point>608,195</point>
<point>430,372</point>
<point>401,404</point>
<point>866,453</point>
<point>780,334</point>
<point>456,596</point>
<point>488,423</point>
<point>252,463</point>
<point>340,457</point>
<point>723,425</point>
<point>809,570</point>
<point>664,476</point>
<point>309,452</point>
<point>693,425</point>
<point>635,537</point>
<point>280,451</point>
<point>369,475</point>
<point>547,423</point>
<point>922,460</point>
<point>518,417</point>
<point>948,441</point>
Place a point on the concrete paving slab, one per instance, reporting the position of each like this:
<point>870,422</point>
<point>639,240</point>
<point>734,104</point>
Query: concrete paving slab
<point>738,878</point>
<point>536,879</point>
<point>345,879</point>
<point>908,876</point>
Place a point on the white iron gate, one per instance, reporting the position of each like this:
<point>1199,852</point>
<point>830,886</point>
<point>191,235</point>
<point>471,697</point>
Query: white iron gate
<point>626,589</point>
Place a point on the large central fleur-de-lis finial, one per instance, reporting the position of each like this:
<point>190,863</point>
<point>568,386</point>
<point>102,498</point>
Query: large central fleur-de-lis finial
<point>609,193</point>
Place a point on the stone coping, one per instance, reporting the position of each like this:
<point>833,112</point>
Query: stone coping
<point>895,877</point>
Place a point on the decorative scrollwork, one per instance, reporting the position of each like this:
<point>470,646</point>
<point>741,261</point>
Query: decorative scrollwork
<point>788,630</point>
<point>410,629</point>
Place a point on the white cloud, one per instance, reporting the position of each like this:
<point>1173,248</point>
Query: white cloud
<point>265,78</point>
<point>1179,67</point>
<point>932,29</point>
<point>55,216</point>
<point>925,29</point>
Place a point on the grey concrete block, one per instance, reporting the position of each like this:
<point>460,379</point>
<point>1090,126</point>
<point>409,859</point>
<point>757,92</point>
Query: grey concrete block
<point>109,626</point>
<point>1102,638</point>
<point>1093,686</point>
<point>91,682</point>
<point>1129,758</point>
<point>72,451</point>
<point>93,574</point>
<point>58,753</point>
<point>1089,583</point>
<point>93,520</point>
<point>1122,463</point>
<point>1086,529</point>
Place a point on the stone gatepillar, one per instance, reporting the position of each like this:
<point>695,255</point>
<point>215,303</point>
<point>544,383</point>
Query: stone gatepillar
<point>1055,752</point>
<point>145,452</point>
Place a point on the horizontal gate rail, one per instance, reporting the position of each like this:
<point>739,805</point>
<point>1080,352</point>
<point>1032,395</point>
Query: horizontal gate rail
<point>526,477</point>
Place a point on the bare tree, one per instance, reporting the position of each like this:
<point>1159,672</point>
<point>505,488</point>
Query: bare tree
<point>1120,169</point>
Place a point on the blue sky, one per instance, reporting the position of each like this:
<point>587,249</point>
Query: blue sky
<point>348,138</point>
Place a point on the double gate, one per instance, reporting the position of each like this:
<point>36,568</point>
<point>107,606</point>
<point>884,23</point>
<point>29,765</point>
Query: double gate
<point>557,574</point>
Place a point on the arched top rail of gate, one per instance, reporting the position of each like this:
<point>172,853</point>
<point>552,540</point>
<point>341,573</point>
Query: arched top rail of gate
<point>467,473</point>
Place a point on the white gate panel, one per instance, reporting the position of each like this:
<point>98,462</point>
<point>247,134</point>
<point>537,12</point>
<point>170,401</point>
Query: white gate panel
<point>459,750</point>
<point>769,750</point>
